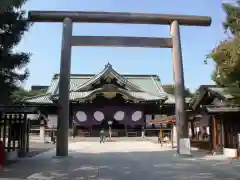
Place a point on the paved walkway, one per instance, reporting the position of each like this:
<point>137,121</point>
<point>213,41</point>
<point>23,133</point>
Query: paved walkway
<point>121,160</point>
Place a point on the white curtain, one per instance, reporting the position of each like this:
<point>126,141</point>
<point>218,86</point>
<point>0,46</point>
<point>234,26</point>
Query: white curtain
<point>148,120</point>
<point>158,117</point>
<point>52,120</point>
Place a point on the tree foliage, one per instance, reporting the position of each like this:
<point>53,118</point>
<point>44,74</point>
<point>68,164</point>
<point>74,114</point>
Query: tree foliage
<point>170,89</point>
<point>227,54</point>
<point>8,4</point>
<point>13,24</point>
<point>21,94</point>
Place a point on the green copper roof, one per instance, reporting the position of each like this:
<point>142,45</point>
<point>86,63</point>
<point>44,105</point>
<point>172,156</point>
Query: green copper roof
<point>215,109</point>
<point>144,87</point>
<point>40,99</point>
<point>141,96</point>
<point>108,72</point>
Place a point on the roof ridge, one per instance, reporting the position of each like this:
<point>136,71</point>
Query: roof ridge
<point>55,76</point>
<point>88,81</point>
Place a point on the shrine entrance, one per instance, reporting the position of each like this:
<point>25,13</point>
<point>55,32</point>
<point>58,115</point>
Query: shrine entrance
<point>113,17</point>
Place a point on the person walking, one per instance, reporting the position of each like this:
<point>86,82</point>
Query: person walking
<point>102,136</point>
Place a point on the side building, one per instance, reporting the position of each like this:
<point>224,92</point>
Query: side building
<point>126,103</point>
<point>214,111</point>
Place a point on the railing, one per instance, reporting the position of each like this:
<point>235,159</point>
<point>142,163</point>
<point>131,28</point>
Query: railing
<point>14,132</point>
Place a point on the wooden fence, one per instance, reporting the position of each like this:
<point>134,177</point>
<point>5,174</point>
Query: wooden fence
<point>14,128</point>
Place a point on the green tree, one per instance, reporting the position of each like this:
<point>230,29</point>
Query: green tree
<point>20,94</point>
<point>227,54</point>
<point>170,89</point>
<point>13,24</point>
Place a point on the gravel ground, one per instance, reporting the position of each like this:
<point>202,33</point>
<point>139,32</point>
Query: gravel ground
<point>122,160</point>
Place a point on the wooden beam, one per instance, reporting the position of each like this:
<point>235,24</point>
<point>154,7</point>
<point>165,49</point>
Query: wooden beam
<point>214,133</point>
<point>117,17</point>
<point>118,41</point>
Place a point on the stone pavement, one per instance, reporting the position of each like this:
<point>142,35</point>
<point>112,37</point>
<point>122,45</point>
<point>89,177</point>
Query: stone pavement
<point>122,160</point>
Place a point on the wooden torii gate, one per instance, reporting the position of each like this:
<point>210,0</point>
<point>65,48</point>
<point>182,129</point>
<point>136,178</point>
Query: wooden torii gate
<point>68,40</point>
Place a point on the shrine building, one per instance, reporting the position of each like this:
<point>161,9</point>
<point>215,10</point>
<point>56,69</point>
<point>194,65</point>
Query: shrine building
<point>126,102</point>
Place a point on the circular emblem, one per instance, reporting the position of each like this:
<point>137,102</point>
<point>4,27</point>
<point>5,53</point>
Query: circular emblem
<point>109,122</point>
<point>137,115</point>
<point>98,115</point>
<point>119,115</point>
<point>81,116</point>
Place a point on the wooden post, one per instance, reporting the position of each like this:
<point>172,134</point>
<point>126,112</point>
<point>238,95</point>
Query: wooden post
<point>172,132</point>
<point>179,85</point>
<point>64,81</point>
<point>192,128</point>
<point>28,130</point>
<point>161,136</point>
<point>222,133</point>
<point>125,128</point>
<point>214,140</point>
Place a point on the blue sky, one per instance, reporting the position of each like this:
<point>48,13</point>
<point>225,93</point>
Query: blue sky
<point>44,40</point>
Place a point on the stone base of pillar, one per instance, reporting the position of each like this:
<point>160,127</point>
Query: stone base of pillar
<point>183,155</point>
<point>184,147</point>
<point>174,134</point>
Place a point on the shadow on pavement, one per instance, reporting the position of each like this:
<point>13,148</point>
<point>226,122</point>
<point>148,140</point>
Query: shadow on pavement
<point>119,165</point>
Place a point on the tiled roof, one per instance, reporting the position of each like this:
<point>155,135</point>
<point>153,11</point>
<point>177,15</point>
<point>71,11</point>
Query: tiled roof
<point>138,95</point>
<point>80,95</point>
<point>148,83</point>
<point>223,109</point>
<point>146,87</point>
<point>74,82</point>
<point>221,91</point>
<point>213,95</point>
<point>108,71</point>
<point>40,99</point>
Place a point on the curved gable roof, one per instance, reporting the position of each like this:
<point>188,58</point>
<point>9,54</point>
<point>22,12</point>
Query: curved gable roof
<point>108,71</point>
<point>137,84</point>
